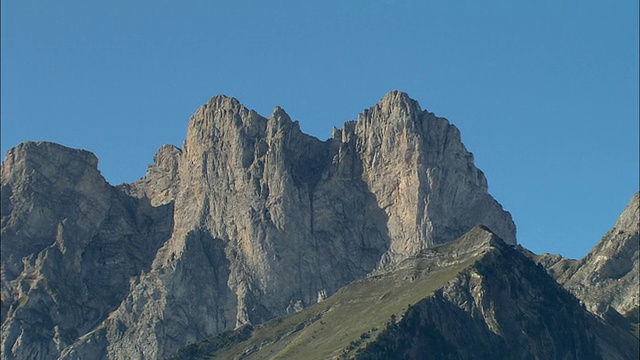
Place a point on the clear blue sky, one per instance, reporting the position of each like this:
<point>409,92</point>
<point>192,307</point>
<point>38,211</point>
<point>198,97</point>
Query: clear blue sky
<point>545,93</point>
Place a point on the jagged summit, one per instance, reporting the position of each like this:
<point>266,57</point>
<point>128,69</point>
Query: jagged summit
<point>397,105</point>
<point>249,220</point>
<point>397,97</point>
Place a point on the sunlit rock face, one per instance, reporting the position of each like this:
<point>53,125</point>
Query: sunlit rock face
<point>249,220</point>
<point>422,177</point>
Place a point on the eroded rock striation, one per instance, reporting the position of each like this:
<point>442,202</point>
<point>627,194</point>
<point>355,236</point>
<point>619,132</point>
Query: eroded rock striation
<point>251,219</point>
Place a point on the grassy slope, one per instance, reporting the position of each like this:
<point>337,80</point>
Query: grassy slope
<point>326,329</point>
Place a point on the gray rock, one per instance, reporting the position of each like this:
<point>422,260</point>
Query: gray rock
<point>266,220</point>
<point>422,177</point>
<point>160,183</point>
<point>70,244</point>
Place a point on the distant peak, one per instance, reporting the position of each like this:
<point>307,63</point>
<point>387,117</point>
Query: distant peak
<point>51,151</point>
<point>395,101</point>
<point>223,102</point>
<point>395,95</point>
<point>279,117</point>
<point>279,112</point>
<point>223,97</point>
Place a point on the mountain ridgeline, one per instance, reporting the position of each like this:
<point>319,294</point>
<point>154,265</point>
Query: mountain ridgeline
<point>253,220</point>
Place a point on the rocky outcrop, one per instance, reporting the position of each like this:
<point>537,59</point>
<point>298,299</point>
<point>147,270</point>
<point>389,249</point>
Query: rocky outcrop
<point>422,177</point>
<point>70,244</point>
<point>608,274</point>
<point>267,220</point>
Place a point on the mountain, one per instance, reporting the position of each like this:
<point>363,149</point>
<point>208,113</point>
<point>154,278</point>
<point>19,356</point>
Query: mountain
<point>607,277</point>
<point>70,245</point>
<point>608,274</point>
<point>251,219</point>
<point>473,298</point>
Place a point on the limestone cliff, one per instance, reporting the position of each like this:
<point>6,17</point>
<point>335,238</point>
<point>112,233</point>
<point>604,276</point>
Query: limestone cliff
<point>422,177</point>
<point>160,183</point>
<point>249,220</point>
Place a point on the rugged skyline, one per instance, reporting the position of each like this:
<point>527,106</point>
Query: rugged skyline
<point>253,219</point>
<point>545,99</point>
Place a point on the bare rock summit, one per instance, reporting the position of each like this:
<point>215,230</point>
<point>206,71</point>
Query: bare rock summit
<point>249,220</point>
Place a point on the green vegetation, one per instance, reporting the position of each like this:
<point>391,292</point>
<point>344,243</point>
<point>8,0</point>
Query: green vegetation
<point>345,317</point>
<point>200,349</point>
<point>396,341</point>
<point>529,309</point>
<point>346,322</point>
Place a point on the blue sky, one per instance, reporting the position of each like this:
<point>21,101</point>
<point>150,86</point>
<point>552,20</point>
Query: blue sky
<point>545,93</point>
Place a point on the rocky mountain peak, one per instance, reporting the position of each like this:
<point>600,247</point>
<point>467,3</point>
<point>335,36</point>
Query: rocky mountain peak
<point>396,137</point>
<point>279,112</point>
<point>43,184</point>
<point>253,219</point>
<point>396,98</point>
<point>279,119</point>
<point>34,155</point>
<point>221,116</point>
<point>70,245</point>
<point>395,109</point>
<point>223,102</point>
<point>159,184</point>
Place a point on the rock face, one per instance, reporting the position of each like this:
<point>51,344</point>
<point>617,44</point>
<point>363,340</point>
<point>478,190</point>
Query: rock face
<point>249,220</point>
<point>608,274</point>
<point>70,244</point>
<point>422,176</point>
